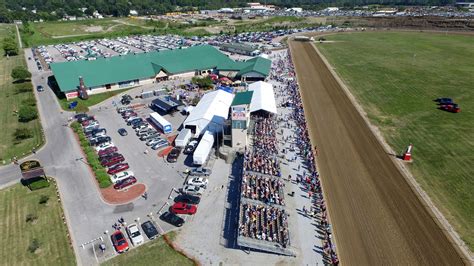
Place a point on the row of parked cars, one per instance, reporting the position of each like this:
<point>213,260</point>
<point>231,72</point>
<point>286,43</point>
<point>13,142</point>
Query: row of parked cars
<point>108,153</point>
<point>144,131</point>
<point>136,238</point>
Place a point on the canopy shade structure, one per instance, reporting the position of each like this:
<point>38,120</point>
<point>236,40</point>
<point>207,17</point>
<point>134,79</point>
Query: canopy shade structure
<point>210,113</point>
<point>263,97</point>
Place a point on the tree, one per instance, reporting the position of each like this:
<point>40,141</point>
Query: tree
<point>20,73</point>
<point>27,113</point>
<point>9,46</point>
<point>205,82</point>
<point>22,133</point>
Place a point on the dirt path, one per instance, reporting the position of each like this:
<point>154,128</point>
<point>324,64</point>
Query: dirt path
<point>377,218</point>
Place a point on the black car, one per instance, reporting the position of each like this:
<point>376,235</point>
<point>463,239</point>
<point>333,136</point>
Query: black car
<point>133,123</point>
<point>122,132</point>
<point>100,140</point>
<point>172,218</point>
<point>185,198</point>
<point>136,120</point>
<point>190,147</point>
<point>442,101</point>
<point>83,117</point>
<point>150,230</point>
<point>40,88</point>
<point>95,132</point>
<point>139,124</point>
<point>173,155</point>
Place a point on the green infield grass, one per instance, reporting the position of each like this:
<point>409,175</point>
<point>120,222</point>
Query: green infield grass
<point>395,76</point>
<point>12,97</point>
<point>31,229</point>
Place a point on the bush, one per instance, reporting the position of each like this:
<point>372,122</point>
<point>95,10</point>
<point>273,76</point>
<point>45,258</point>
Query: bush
<point>20,73</point>
<point>205,82</point>
<point>39,184</point>
<point>29,102</point>
<point>23,133</point>
<point>31,217</point>
<point>9,46</point>
<point>27,113</point>
<point>23,87</point>
<point>43,199</point>
<point>34,245</point>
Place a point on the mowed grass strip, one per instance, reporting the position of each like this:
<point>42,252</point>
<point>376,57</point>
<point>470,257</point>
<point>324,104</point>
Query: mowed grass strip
<point>11,98</point>
<point>83,105</point>
<point>396,76</point>
<point>17,234</point>
<point>155,252</point>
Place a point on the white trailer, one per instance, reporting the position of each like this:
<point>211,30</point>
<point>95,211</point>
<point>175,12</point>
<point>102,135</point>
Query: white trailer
<point>201,154</point>
<point>183,138</point>
<point>161,123</point>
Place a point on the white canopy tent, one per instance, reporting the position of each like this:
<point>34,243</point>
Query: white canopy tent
<point>263,97</point>
<point>210,113</point>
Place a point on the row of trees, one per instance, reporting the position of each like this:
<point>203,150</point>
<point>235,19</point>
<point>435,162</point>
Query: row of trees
<point>55,9</point>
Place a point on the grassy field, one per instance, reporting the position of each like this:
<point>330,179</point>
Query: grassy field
<point>83,105</point>
<point>155,252</point>
<point>11,97</point>
<point>18,202</point>
<point>396,76</point>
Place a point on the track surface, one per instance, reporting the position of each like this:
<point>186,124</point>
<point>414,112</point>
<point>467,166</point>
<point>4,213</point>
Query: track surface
<point>377,218</point>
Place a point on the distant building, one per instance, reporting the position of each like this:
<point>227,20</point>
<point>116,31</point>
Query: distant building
<point>226,10</point>
<point>240,48</point>
<point>331,9</point>
<point>295,9</point>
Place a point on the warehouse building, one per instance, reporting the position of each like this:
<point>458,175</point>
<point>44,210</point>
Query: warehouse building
<point>240,48</point>
<point>119,72</point>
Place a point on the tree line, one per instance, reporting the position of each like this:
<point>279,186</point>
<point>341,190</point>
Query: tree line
<point>55,9</point>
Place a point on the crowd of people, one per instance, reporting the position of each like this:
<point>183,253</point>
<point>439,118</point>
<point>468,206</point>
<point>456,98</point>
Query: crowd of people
<point>263,188</point>
<point>264,223</point>
<point>284,73</point>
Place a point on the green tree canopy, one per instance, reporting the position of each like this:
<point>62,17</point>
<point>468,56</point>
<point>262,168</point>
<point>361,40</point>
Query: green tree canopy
<point>20,73</point>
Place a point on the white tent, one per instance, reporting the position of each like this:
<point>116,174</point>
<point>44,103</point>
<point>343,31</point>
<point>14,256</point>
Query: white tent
<point>201,154</point>
<point>263,97</point>
<point>210,113</point>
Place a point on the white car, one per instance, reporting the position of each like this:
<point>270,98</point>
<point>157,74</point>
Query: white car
<point>193,190</point>
<point>120,176</point>
<point>134,234</point>
<point>198,182</point>
<point>142,127</point>
<point>104,146</point>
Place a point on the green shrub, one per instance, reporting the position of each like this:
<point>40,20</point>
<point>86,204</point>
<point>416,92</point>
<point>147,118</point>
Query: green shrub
<point>27,113</point>
<point>30,217</point>
<point>43,199</point>
<point>29,102</point>
<point>20,73</point>
<point>23,87</point>
<point>23,133</point>
<point>34,245</point>
<point>39,184</point>
<point>103,178</point>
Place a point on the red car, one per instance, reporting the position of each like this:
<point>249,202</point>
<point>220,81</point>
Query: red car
<point>118,168</point>
<point>128,115</point>
<point>107,151</point>
<point>453,108</point>
<point>112,160</point>
<point>87,122</point>
<point>125,183</point>
<point>119,241</point>
<point>183,208</point>
<point>109,156</point>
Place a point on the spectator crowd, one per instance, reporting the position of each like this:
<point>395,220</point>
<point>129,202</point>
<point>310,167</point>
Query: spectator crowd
<point>263,188</point>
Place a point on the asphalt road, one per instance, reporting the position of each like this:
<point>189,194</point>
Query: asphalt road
<point>377,218</point>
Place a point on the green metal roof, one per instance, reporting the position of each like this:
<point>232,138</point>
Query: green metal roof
<point>146,65</point>
<point>244,97</point>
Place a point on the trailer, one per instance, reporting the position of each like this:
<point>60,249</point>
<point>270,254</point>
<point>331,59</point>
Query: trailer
<point>183,138</point>
<point>161,123</point>
<point>201,154</point>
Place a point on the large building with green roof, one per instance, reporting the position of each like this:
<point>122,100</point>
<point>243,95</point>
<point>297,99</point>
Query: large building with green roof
<point>118,72</point>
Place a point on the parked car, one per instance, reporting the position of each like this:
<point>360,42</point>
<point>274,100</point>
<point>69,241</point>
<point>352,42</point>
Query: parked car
<point>106,151</point>
<point>201,171</point>
<point>122,132</point>
<point>187,199</point>
<point>118,168</point>
<point>81,117</point>
<point>121,110</point>
<point>125,182</point>
<point>150,230</point>
<point>39,88</point>
<point>183,208</point>
<point>90,128</point>
<point>112,160</point>
<point>173,155</point>
<point>159,145</point>
<point>104,146</point>
<point>198,181</point>
<point>190,147</point>
<point>144,126</point>
<point>128,115</point>
<point>145,131</point>
<point>444,101</point>
<point>119,242</point>
<point>96,131</point>
<point>172,218</point>
<point>193,190</point>
<point>134,120</point>
<point>100,140</point>
<point>149,136</point>
<point>139,124</point>
<point>89,122</point>
<point>121,176</point>
<point>134,234</point>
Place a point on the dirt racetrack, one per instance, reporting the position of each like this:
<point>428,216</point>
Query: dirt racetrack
<point>377,219</point>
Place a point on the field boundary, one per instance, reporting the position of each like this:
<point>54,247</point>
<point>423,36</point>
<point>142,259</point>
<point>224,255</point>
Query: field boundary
<point>437,216</point>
